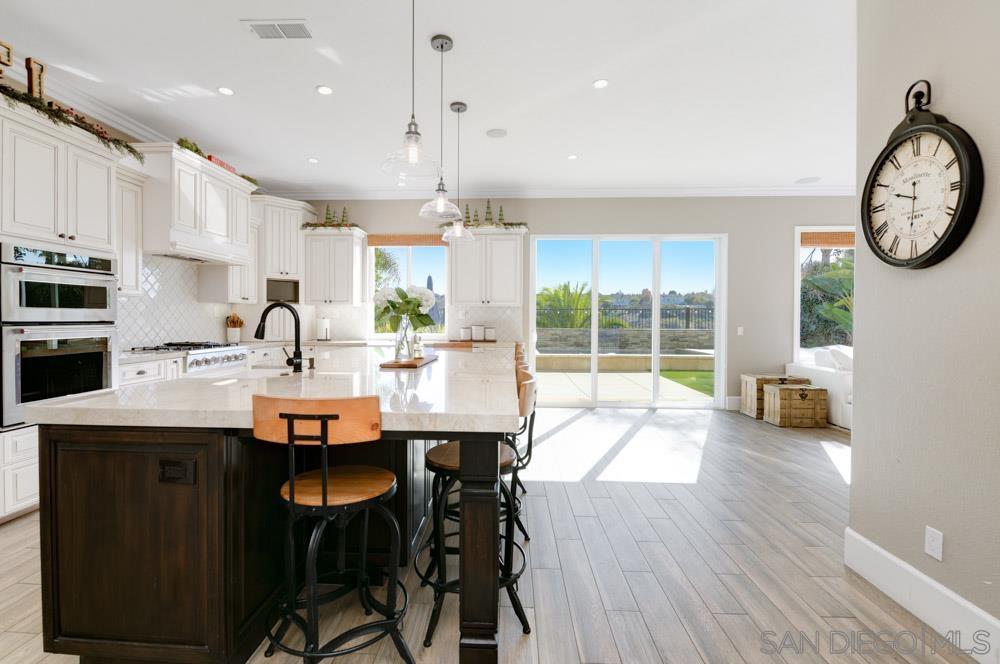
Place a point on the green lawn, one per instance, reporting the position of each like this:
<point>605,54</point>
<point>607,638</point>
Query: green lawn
<point>703,381</point>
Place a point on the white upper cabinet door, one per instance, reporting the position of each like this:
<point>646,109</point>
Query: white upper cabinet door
<point>293,237</point>
<point>342,270</point>
<point>317,275</point>
<point>215,195</point>
<point>275,245</point>
<point>239,232</point>
<point>467,273</point>
<point>129,244</point>
<point>250,272</point>
<point>33,189</point>
<point>91,201</point>
<point>503,270</point>
<point>186,211</point>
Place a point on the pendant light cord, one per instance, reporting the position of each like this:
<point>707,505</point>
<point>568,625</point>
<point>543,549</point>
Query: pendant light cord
<point>442,115</point>
<point>413,59</point>
<point>458,161</point>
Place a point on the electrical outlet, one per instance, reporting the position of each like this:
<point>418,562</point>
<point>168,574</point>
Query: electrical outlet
<point>934,543</point>
<point>739,331</point>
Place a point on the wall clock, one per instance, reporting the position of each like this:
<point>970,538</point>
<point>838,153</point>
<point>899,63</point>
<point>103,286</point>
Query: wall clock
<point>923,192</point>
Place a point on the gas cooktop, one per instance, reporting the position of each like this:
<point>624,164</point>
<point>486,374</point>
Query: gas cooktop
<point>179,345</point>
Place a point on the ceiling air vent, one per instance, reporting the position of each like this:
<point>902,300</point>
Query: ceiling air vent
<point>294,30</point>
<point>269,30</point>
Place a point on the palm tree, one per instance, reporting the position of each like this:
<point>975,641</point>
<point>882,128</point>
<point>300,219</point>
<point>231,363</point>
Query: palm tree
<point>386,268</point>
<point>564,306</point>
<point>837,284</point>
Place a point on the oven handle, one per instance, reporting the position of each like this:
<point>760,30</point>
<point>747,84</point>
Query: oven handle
<point>62,276</point>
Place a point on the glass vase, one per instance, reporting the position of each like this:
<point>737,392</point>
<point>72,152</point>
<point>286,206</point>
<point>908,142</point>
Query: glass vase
<point>404,339</point>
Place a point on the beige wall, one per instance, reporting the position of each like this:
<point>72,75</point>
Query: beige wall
<point>761,239</point>
<point>926,443</point>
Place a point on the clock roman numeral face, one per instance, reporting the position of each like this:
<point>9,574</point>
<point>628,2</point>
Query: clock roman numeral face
<point>914,197</point>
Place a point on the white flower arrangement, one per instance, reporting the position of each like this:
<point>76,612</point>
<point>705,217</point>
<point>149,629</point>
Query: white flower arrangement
<point>415,303</point>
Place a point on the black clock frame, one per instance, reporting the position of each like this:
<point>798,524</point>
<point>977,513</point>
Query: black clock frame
<point>920,120</point>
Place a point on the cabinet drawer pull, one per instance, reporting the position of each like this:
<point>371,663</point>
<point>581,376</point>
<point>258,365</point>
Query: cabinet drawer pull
<point>62,235</point>
<point>72,237</point>
<point>177,471</point>
<point>140,372</point>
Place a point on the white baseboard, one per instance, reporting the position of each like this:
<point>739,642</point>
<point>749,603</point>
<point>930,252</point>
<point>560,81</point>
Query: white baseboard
<point>941,608</point>
<point>733,403</point>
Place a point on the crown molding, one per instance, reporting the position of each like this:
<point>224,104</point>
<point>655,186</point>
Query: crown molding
<point>569,192</point>
<point>68,95</point>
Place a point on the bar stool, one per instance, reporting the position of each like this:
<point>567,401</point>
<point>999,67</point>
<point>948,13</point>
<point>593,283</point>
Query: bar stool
<point>332,495</point>
<point>443,461</point>
<point>527,399</point>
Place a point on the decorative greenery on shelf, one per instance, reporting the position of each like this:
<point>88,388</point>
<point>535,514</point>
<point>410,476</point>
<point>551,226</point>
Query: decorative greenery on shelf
<point>190,145</point>
<point>488,221</point>
<point>68,116</point>
<point>330,221</point>
<point>250,179</point>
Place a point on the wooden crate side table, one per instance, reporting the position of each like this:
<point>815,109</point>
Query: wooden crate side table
<point>795,405</point>
<point>752,391</point>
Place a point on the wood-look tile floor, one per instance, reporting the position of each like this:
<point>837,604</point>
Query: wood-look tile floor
<point>656,536</point>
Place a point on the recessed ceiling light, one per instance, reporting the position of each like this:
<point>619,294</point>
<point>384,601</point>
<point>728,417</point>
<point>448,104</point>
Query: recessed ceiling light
<point>226,91</point>
<point>809,180</point>
<point>571,157</point>
<point>324,89</point>
<point>496,133</point>
<point>400,184</point>
<point>601,83</point>
<point>313,160</point>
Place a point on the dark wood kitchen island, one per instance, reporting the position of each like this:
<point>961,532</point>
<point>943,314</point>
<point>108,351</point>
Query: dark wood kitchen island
<point>161,531</point>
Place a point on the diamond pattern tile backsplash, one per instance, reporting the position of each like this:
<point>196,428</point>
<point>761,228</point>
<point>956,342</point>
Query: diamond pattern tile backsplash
<point>168,308</point>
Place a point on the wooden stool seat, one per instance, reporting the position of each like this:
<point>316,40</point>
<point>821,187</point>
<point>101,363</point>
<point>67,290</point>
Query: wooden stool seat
<point>346,485</point>
<point>445,457</point>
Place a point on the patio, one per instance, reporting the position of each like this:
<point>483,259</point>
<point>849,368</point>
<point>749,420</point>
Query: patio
<point>562,388</point>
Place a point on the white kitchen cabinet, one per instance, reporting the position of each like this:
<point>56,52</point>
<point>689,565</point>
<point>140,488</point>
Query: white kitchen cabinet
<point>173,368</point>
<point>283,252</point>
<point>487,272</point>
<point>90,200</point>
<point>18,471</point>
<point>235,284</point>
<point>193,208</point>
<point>33,185</point>
<point>335,266</point>
<point>128,242</point>
<point>215,207</point>
<point>57,184</point>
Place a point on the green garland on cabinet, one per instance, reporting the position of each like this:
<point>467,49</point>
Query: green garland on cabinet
<point>68,116</point>
<point>330,221</point>
<point>488,221</point>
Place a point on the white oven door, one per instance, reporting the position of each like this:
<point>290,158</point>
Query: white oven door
<point>48,361</point>
<point>47,295</point>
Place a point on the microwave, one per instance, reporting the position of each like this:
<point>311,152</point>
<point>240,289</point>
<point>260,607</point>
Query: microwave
<point>282,290</point>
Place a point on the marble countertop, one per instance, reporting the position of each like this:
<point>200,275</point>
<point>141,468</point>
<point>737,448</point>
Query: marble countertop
<point>463,390</point>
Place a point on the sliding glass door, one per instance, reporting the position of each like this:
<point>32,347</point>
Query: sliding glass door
<point>628,320</point>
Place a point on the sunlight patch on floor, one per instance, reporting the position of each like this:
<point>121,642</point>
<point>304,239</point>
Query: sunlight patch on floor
<point>567,452</point>
<point>667,449</point>
<point>840,455</point>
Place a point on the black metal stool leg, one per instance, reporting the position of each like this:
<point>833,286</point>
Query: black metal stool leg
<point>290,583</point>
<point>394,544</point>
<point>312,588</point>
<point>435,489</point>
<point>363,569</point>
<point>508,559</point>
<point>515,481</point>
<point>441,558</point>
<point>518,482</point>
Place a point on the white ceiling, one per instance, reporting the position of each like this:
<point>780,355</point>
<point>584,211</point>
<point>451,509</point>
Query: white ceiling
<point>737,97</point>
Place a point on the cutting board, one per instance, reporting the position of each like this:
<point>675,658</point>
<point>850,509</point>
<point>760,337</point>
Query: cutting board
<point>409,364</point>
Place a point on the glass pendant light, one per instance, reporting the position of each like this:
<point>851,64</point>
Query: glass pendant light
<point>439,208</point>
<point>457,232</point>
<point>410,163</point>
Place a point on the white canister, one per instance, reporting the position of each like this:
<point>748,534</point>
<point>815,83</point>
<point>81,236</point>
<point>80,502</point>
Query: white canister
<point>490,334</point>
<point>466,333</point>
<point>478,332</point>
<point>233,334</point>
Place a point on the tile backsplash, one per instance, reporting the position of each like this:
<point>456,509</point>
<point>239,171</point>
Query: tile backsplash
<point>508,321</point>
<point>168,308</point>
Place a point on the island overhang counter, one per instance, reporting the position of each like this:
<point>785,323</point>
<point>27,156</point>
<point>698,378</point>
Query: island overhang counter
<point>161,527</point>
